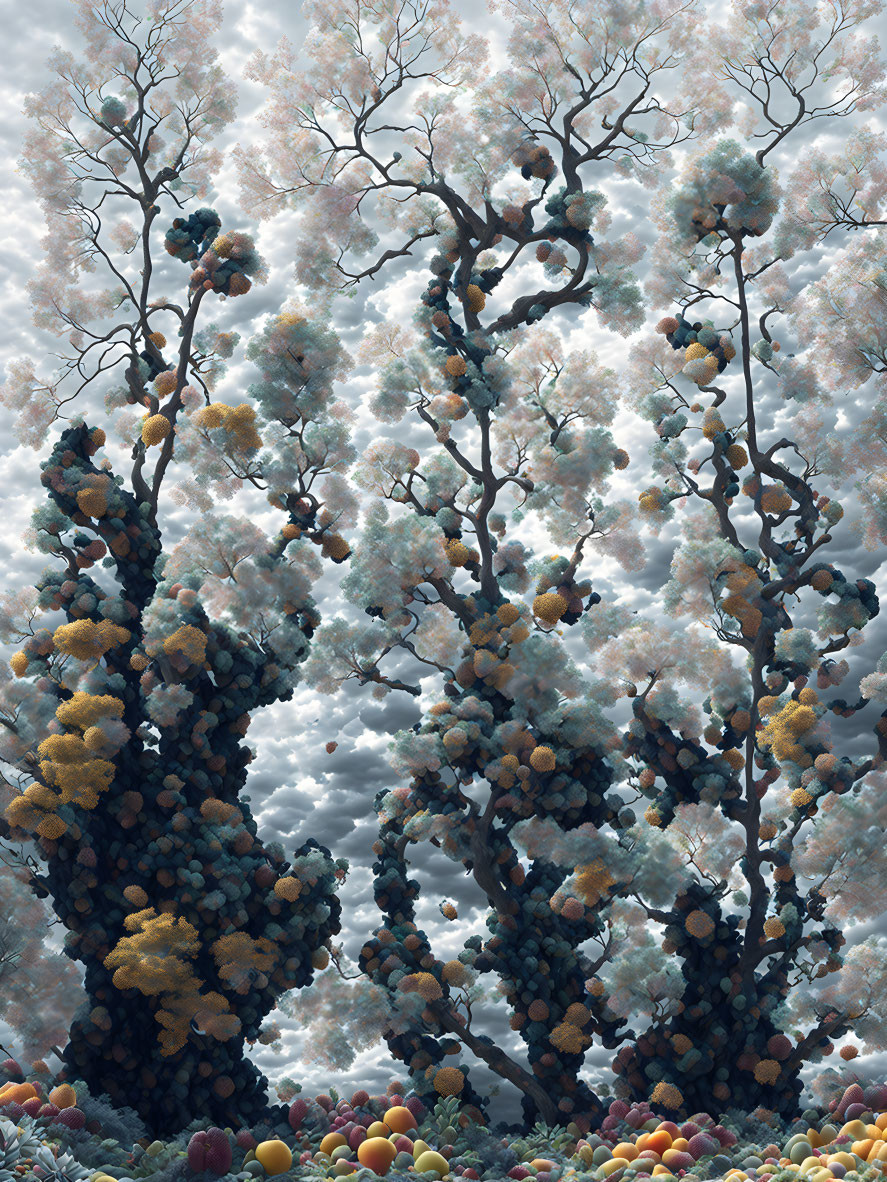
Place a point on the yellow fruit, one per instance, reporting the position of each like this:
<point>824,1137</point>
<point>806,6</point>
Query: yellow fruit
<point>332,1141</point>
<point>399,1119</point>
<point>377,1154</point>
<point>275,1156</point>
<point>64,1096</point>
<point>432,1160</point>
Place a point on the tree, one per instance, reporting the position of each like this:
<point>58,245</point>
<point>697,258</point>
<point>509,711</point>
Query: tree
<point>745,565</point>
<point>505,714</point>
<point>126,721</point>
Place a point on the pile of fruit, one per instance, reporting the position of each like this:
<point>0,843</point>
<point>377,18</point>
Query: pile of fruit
<point>51,1139</point>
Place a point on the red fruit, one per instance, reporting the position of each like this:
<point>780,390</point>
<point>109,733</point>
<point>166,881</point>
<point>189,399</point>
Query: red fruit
<point>71,1118</point>
<point>415,1105</point>
<point>48,1109</point>
<point>360,1098</point>
<point>358,1135</point>
<point>297,1113</point>
<point>469,1172</point>
<point>210,1150</point>
<point>33,1106</point>
<point>245,1139</point>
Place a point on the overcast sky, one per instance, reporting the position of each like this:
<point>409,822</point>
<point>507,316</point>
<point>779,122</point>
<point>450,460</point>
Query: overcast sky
<point>297,790</point>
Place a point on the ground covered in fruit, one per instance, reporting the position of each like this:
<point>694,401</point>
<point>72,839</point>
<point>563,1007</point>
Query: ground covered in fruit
<point>63,1134</point>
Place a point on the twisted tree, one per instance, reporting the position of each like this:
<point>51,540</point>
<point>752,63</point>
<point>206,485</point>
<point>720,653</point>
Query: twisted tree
<point>125,723</point>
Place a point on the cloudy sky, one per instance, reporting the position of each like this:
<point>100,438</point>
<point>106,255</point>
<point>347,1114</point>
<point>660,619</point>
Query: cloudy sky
<point>297,789</point>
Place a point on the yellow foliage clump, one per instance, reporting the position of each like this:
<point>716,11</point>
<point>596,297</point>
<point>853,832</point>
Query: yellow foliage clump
<point>735,758</point>
<point>712,423</point>
<point>542,759</point>
<point>288,888</point>
<point>18,662</point>
<point>668,1095</point>
<point>651,499</point>
<point>448,1081</point>
<point>155,429</point>
<point>425,984</point>
<point>335,546</point>
<point>785,728</point>
<point>775,499</point>
<point>592,882</point>
<point>457,552</point>
<point>166,382</point>
<point>63,748</point>
<point>737,456</point>
<point>694,351</point>
<point>549,607</point>
<point>86,710</point>
<point>455,366</point>
<point>79,783</point>
<point>52,827</point>
<point>158,339</point>
<point>92,502</point>
<point>567,1037</point>
<point>210,416</point>
<point>508,613</point>
<point>290,530</point>
<point>94,738</point>
<point>238,421</point>
<point>189,641</point>
<point>154,961</point>
<point>774,927</point>
<point>86,640</point>
<point>476,298</point>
